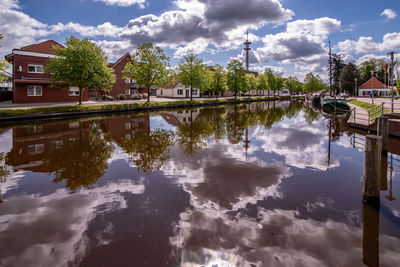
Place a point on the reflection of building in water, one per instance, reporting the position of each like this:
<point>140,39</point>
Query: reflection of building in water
<point>179,117</point>
<point>34,143</point>
<point>122,128</point>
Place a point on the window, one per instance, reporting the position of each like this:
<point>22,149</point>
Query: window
<point>35,149</point>
<point>35,128</point>
<point>180,92</point>
<point>35,69</point>
<point>127,91</point>
<point>127,80</point>
<point>127,125</point>
<point>73,91</point>
<point>194,92</point>
<point>34,90</point>
<point>73,125</point>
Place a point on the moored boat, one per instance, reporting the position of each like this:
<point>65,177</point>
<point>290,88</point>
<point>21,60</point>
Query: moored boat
<point>334,105</point>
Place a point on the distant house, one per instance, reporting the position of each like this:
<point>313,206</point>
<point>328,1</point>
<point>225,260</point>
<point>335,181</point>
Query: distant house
<point>6,84</point>
<point>30,83</point>
<point>373,84</point>
<point>177,90</point>
<point>124,86</point>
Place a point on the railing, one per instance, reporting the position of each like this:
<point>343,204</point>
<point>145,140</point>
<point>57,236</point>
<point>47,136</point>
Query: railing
<point>358,142</point>
<point>368,116</point>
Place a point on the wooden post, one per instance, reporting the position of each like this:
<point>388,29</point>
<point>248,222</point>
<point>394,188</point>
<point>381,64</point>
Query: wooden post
<point>354,114</point>
<point>383,131</point>
<point>370,217</point>
<point>384,171</point>
<point>372,168</point>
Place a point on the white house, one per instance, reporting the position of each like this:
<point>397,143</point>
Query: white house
<point>375,85</point>
<point>177,90</point>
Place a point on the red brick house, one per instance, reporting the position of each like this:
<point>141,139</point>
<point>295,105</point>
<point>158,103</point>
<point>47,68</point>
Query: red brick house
<point>30,83</point>
<point>121,85</point>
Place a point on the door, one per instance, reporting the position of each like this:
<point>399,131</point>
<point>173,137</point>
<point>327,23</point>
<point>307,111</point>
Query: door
<point>187,93</point>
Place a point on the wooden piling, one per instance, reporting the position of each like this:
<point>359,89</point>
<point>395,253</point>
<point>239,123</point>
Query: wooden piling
<point>383,131</point>
<point>372,168</point>
<point>370,218</point>
<point>384,171</point>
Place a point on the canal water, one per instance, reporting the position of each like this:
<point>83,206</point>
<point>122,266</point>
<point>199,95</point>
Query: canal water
<point>263,184</point>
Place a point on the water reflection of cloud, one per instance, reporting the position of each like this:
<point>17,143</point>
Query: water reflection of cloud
<point>300,143</point>
<point>276,238</point>
<point>49,230</point>
<point>220,176</point>
<point>6,141</point>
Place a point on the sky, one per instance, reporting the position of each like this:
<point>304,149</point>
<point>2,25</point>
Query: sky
<point>290,37</point>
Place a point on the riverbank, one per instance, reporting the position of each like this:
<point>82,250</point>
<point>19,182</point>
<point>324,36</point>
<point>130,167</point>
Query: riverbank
<point>22,114</point>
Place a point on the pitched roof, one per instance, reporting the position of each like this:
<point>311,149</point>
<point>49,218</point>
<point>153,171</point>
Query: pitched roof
<point>43,47</point>
<point>373,83</point>
<point>111,65</point>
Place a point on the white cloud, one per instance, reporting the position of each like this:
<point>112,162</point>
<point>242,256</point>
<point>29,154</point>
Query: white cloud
<point>105,29</point>
<point>390,41</point>
<point>115,49</point>
<point>125,3</point>
<point>390,14</point>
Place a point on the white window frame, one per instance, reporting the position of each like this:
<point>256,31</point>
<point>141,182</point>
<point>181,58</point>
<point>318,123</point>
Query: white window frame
<point>180,92</point>
<point>35,87</point>
<point>35,149</point>
<point>127,91</point>
<point>36,68</point>
<point>73,91</point>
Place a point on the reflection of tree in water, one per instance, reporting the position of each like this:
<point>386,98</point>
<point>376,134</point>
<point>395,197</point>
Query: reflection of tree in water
<point>213,116</point>
<point>148,149</point>
<point>191,136</point>
<point>310,115</point>
<point>236,123</point>
<point>82,161</point>
<point>4,172</point>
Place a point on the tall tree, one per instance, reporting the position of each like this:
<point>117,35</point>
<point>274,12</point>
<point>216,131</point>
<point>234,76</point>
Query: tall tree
<point>148,66</point>
<point>312,83</point>
<point>81,64</point>
<point>251,82</point>
<point>3,65</point>
<point>365,70</point>
<point>272,81</point>
<point>215,80</point>
<point>292,84</point>
<point>262,83</point>
<point>347,76</point>
<point>191,72</point>
<point>338,65</point>
<point>236,77</point>
<point>279,83</point>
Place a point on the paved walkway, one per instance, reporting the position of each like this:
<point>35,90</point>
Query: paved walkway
<point>9,104</point>
<point>379,101</point>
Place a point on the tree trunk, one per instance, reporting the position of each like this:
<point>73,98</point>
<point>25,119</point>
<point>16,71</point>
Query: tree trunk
<point>148,93</point>
<point>191,92</point>
<point>80,96</point>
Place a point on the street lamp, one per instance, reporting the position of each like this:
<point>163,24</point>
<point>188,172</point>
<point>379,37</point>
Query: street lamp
<point>391,78</point>
<point>355,87</point>
<point>372,79</point>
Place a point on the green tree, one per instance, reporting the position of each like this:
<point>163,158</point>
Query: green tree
<point>148,67</point>
<point>279,83</point>
<point>219,80</point>
<point>271,81</point>
<point>251,82</point>
<point>365,70</point>
<point>337,66</point>
<point>3,65</point>
<point>347,76</point>
<point>81,64</point>
<point>191,72</point>
<point>312,83</point>
<point>292,84</point>
<point>262,83</point>
<point>148,149</point>
<point>83,161</point>
<point>236,77</point>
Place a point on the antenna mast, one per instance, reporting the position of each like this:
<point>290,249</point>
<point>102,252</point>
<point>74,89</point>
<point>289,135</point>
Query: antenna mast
<point>330,69</point>
<point>247,49</point>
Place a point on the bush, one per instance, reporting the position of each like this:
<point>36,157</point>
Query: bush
<point>144,96</point>
<point>136,96</point>
<point>120,97</point>
<point>107,98</point>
